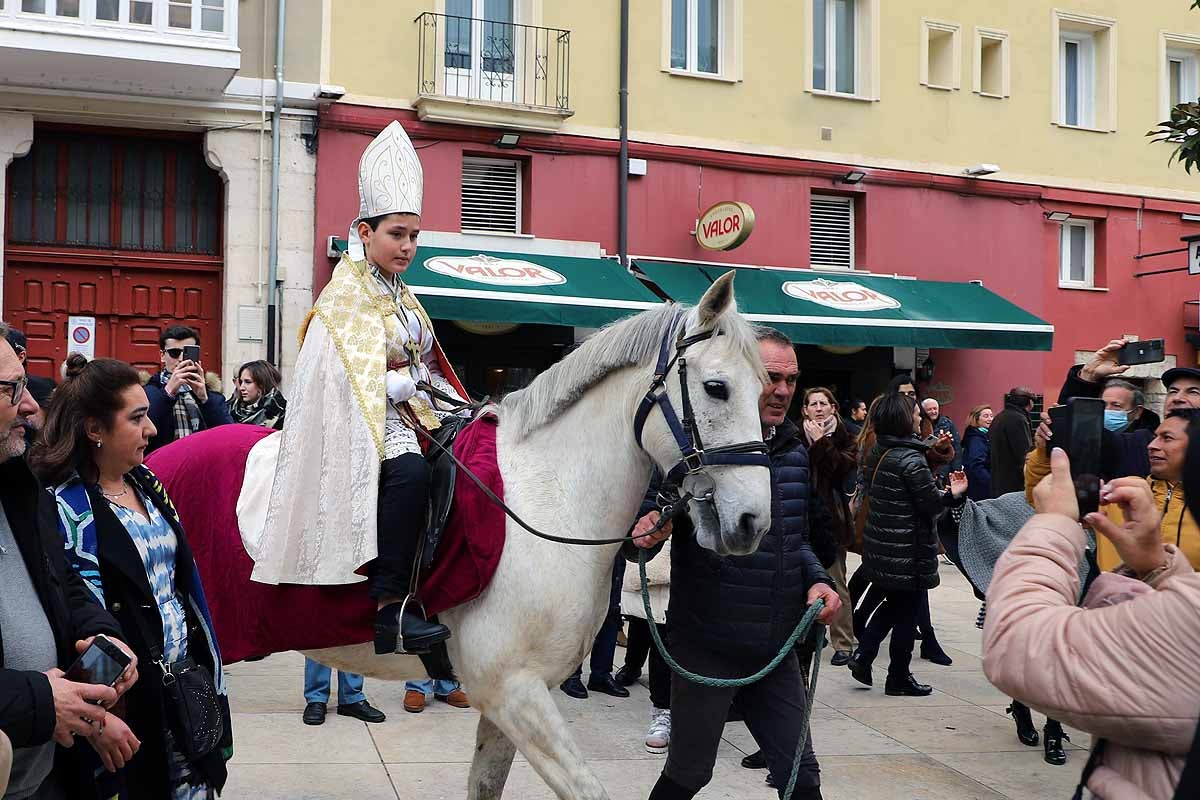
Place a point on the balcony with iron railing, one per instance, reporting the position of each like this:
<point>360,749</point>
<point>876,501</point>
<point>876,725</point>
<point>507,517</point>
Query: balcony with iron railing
<point>492,72</point>
<point>182,48</point>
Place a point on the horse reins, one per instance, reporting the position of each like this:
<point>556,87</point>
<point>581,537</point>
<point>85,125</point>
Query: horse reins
<point>695,458</point>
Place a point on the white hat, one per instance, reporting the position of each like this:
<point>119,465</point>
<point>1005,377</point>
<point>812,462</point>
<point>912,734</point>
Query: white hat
<point>390,181</point>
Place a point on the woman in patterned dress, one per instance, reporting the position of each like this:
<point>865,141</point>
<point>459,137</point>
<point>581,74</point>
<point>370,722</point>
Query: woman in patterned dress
<point>122,535</point>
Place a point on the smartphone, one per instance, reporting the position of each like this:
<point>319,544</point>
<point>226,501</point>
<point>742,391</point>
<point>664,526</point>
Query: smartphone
<point>102,663</point>
<point>1078,428</point>
<point>191,352</point>
<point>1151,351</point>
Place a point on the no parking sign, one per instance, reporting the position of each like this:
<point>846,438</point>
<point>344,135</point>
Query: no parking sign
<point>81,336</point>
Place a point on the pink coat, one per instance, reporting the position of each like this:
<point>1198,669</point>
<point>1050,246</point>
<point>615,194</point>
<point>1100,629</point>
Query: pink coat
<point>1127,673</point>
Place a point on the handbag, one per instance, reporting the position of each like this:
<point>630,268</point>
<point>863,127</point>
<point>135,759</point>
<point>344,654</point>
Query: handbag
<point>192,708</point>
<point>862,498</point>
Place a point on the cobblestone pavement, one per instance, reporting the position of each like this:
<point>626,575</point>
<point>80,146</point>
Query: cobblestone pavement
<point>954,745</point>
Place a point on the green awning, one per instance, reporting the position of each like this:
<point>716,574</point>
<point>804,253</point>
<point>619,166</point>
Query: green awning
<point>868,310</point>
<point>526,288</point>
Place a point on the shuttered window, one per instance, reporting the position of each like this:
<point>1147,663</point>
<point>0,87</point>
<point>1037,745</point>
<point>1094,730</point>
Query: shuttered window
<point>491,195</point>
<point>831,236</point>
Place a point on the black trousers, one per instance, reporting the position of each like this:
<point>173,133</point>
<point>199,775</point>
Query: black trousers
<point>773,709</point>
<point>604,646</point>
<point>899,613</point>
<point>639,649</point>
<point>403,504</point>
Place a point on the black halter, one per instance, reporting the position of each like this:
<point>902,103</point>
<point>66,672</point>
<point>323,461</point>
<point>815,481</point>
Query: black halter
<point>687,435</point>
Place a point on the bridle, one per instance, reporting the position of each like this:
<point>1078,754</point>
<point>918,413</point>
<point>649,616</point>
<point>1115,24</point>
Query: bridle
<point>695,456</point>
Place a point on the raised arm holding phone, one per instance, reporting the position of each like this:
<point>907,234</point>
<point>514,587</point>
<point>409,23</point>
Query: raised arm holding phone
<point>180,403</point>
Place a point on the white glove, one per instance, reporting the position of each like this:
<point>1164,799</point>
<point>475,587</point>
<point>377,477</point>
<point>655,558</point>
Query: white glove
<point>400,387</point>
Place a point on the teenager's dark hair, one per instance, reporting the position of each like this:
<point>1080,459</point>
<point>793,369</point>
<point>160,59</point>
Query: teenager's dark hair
<point>892,415</point>
<point>90,390</point>
<point>264,373</point>
<point>896,382</point>
<point>1192,415</point>
<point>374,222</point>
<point>178,333</point>
<point>855,403</point>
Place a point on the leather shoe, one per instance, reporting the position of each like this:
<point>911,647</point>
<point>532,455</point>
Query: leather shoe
<point>606,685</point>
<point>932,651</point>
<point>398,629</point>
<point>457,698</point>
<point>1052,741</point>
<point>1026,733</point>
<point>573,687</point>
<point>414,701</point>
<point>626,676</point>
<point>907,687</point>
<point>755,760</point>
<point>859,670</point>
<point>840,658</point>
<point>314,714</point>
<point>362,710</point>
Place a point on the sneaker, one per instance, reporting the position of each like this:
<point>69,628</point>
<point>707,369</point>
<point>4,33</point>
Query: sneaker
<point>658,737</point>
<point>982,615</point>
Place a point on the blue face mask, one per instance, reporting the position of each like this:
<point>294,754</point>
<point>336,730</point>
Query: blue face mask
<point>983,429</point>
<point>1115,420</point>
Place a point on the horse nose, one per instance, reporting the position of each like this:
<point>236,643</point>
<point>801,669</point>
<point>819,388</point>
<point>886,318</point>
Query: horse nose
<point>748,526</point>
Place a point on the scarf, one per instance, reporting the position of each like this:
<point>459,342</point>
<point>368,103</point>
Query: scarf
<point>267,411</point>
<point>77,525</point>
<point>186,411</point>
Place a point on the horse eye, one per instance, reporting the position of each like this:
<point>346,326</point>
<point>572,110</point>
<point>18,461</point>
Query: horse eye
<point>717,389</point>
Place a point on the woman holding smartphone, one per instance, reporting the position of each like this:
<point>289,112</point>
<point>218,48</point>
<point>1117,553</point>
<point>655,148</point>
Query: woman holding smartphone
<point>123,537</point>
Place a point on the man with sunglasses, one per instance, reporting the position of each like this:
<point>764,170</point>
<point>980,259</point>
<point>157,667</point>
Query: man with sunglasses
<point>180,403</point>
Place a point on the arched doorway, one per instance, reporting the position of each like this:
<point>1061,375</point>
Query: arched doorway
<point>125,230</point>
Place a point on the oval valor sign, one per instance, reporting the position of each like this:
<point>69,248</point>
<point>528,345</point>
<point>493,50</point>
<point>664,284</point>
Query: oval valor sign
<point>840,295</point>
<point>725,226</point>
<point>494,271</point>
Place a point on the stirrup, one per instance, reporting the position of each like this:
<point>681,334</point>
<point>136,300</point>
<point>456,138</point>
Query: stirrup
<point>389,638</point>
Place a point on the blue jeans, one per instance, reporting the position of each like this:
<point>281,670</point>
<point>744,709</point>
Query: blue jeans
<point>431,688</point>
<point>316,684</point>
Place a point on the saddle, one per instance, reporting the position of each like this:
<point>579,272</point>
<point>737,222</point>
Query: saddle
<point>442,474</point>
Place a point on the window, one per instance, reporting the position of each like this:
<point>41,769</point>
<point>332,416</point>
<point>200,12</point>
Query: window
<point>1180,76</point>
<point>1084,75</point>
<point>831,232</point>
<point>696,36</point>
<point>491,195</point>
<point>941,53</point>
<point>843,57</point>
<point>481,50</point>
<point>1077,254</point>
<point>992,63</point>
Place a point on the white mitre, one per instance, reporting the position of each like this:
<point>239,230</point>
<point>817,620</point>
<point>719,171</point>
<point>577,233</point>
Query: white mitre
<point>390,181</point>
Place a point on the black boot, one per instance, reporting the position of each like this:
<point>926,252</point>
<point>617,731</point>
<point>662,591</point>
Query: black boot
<point>860,669</point>
<point>1052,741</point>
<point>906,687</point>
<point>399,628</point>
<point>932,651</point>
<point>1026,733</point>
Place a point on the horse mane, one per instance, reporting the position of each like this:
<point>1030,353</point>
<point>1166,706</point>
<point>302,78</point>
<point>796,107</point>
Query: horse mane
<point>626,343</point>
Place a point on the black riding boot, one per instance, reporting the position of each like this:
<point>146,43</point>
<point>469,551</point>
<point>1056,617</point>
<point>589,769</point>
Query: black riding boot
<point>1052,741</point>
<point>401,627</point>
<point>1026,733</point>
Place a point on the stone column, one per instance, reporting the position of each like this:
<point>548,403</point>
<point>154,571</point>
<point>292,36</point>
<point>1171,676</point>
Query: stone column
<point>235,154</point>
<point>16,137</point>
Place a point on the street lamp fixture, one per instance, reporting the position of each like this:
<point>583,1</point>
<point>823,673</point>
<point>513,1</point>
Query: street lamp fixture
<point>854,176</point>
<point>1057,216</point>
<point>979,170</point>
<point>508,140</point>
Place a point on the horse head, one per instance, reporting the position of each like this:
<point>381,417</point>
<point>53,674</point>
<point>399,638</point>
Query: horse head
<point>724,379</point>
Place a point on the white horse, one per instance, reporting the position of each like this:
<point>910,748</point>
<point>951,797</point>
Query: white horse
<point>571,466</point>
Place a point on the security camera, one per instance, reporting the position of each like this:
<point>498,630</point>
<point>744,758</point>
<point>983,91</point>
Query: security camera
<point>981,169</point>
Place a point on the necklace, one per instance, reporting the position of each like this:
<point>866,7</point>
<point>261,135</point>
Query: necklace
<point>115,495</point>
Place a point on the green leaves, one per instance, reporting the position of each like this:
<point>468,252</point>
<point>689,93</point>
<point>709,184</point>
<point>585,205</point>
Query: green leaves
<point>1182,130</point>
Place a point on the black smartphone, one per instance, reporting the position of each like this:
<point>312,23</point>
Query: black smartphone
<point>103,663</point>
<point>1078,428</point>
<point>1150,351</point>
<point>191,352</point>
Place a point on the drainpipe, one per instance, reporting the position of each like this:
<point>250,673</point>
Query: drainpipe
<point>623,158</point>
<point>276,122</point>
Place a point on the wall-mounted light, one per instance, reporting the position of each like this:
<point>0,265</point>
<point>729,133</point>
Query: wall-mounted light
<point>853,177</point>
<point>508,140</point>
<point>1057,216</point>
<point>979,170</point>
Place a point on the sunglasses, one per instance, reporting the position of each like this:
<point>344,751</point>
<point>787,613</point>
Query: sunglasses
<point>174,352</point>
<point>16,389</point>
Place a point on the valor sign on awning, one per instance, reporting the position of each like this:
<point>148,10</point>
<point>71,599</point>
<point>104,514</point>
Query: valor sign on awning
<point>865,310</point>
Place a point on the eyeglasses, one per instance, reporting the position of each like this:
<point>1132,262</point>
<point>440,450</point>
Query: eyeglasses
<point>16,389</point>
<point>174,352</point>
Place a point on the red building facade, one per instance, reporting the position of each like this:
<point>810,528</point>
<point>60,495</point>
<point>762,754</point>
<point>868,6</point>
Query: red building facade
<point>927,226</point>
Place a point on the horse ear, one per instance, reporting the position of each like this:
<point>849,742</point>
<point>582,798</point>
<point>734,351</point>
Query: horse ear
<point>716,301</point>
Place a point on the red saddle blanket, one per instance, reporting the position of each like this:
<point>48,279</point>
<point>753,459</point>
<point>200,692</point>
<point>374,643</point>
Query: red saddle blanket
<point>203,476</point>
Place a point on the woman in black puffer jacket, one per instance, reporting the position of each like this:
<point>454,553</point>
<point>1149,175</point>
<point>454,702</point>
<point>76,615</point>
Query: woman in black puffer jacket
<point>900,542</point>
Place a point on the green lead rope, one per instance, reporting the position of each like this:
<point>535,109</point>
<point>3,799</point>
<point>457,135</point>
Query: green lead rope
<point>802,629</point>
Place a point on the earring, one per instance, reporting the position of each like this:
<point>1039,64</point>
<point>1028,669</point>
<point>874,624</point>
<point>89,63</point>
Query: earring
<point>99,444</point>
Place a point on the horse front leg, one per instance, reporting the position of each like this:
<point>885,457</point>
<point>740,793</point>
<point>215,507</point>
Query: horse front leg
<point>528,716</point>
<point>494,754</point>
